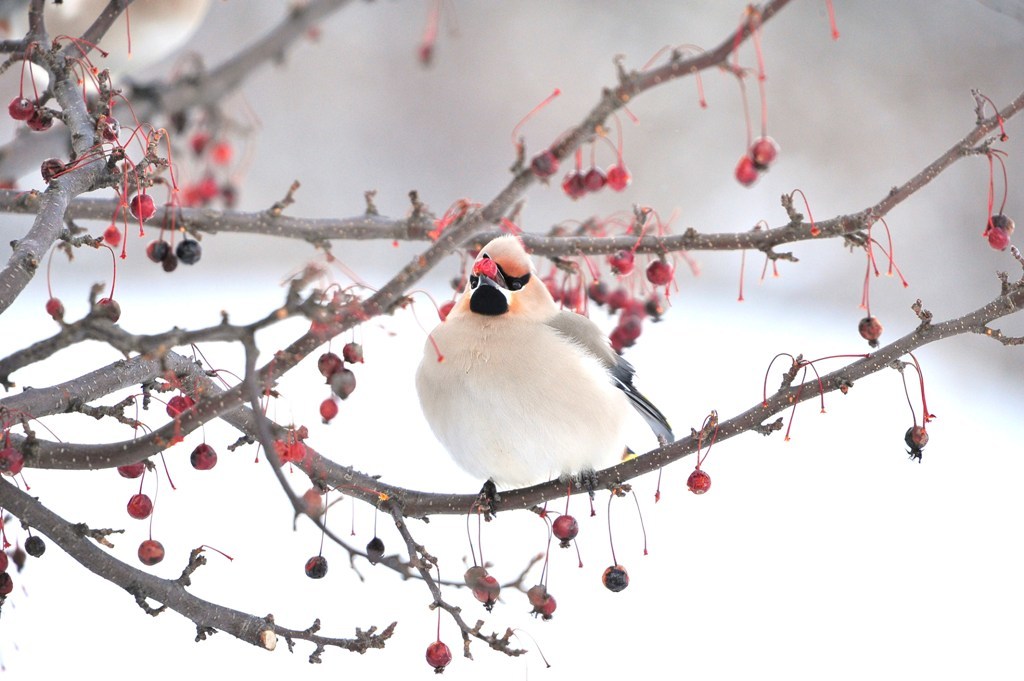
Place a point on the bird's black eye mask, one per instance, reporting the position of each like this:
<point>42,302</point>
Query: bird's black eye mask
<point>503,279</point>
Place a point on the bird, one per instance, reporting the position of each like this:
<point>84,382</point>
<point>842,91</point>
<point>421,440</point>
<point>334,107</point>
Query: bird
<point>520,391</point>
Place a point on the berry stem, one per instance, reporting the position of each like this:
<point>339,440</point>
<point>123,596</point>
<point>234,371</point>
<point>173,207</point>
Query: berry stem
<point>530,114</point>
<point>610,542</point>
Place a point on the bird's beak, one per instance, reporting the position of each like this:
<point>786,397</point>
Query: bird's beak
<point>489,297</point>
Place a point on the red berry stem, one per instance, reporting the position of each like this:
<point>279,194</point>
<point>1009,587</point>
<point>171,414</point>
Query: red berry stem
<point>516,140</point>
<point>640,515</point>
<point>832,19</point>
<point>815,231</point>
<point>469,535</point>
<point>927,415</point>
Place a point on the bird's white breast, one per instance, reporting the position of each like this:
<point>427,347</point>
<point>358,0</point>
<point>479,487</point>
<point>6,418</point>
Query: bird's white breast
<point>518,403</point>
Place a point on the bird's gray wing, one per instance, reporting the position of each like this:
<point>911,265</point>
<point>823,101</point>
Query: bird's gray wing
<point>586,334</point>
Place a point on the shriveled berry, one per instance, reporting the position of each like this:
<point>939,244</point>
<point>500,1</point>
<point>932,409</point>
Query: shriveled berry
<point>132,470</point>
<point>316,567</point>
<point>188,251</point>
<point>204,457</point>
<point>598,292</point>
<point>916,436</point>
<point>51,168</point>
<point>699,481</point>
<point>55,309</point>
<point>11,461</point>
<point>40,120</point>
<point>870,329</point>
<point>343,382</point>
<point>158,250</point>
<point>618,299</point>
<point>374,550</point>
<point>746,172</point>
<point>328,409</point>
<point>438,656</point>
<point>622,262</point>
<point>615,578</point>
<point>109,308</point>
<point>660,272</point>
<point>352,353</point>
<point>313,500</point>
<point>151,552</point>
<point>21,109</point>
<point>140,506</point>
<point>142,207</point>
<point>544,164</point>
<point>7,586</point>
<point>35,546</point>
<point>573,185</point>
<point>291,452</point>
<point>475,576</point>
<point>543,603</point>
<point>763,152</point>
<point>170,263</point>
<point>109,128</point>
<point>328,363</point>
<point>178,404</point>
<point>565,528</point>
<point>595,180</point>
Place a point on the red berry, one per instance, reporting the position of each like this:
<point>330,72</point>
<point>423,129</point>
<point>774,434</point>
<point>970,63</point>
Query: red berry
<point>573,185</point>
<point>158,250</point>
<point>543,603</point>
<point>486,267</point>
<point>328,364</point>
<point>55,309</point>
<point>316,567</point>
<point>328,409</point>
<point>11,461</point>
<point>438,656</point>
<point>291,452</point>
<point>21,109</point>
<point>204,457</point>
<point>352,353</point>
<point>699,481</point>
<point>343,382</point>
<point>622,262</point>
<point>998,232</point>
<point>112,236</point>
<point>110,128</point>
<point>151,552</point>
<point>565,528</point>
<point>618,299</point>
<point>221,153</point>
<point>746,171</point>
<point>595,180</point>
<point>51,168</point>
<point>654,307</point>
<point>870,329</point>
<point>625,334</point>
<point>313,500</point>
<point>178,404</point>
<point>140,506</point>
<point>487,591</point>
<point>763,152</point>
<point>132,470</point>
<point>598,292</point>
<point>618,177</point>
<point>198,142</point>
<point>7,586</point>
<point>169,263</point>
<point>142,207</point>
<point>445,309</point>
<point>3,561</point>
<point>615,578</point>
<point>40,120</point>
<point>660,273</point>
<point>109,308</point>
<point>374,550</point>
<point>544,164</point>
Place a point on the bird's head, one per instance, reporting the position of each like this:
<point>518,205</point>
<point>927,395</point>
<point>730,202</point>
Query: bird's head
<point>504,281</point>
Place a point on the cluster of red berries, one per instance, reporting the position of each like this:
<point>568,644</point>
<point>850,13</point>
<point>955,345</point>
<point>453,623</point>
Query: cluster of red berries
<point>998,231</point>
<point>187,251</point>
<point>341,379</point>
<point>36,117</point>
<point>140,507</point>
<point>217,153</point>
<point>577,183</point>
<point>632,312</point>
<point>761,154</point>
<point>11,461</point>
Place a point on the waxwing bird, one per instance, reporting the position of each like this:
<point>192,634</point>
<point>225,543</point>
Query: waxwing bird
<point>526,391</point>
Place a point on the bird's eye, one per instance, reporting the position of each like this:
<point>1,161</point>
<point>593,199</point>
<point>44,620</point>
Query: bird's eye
<point>516,283</point>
